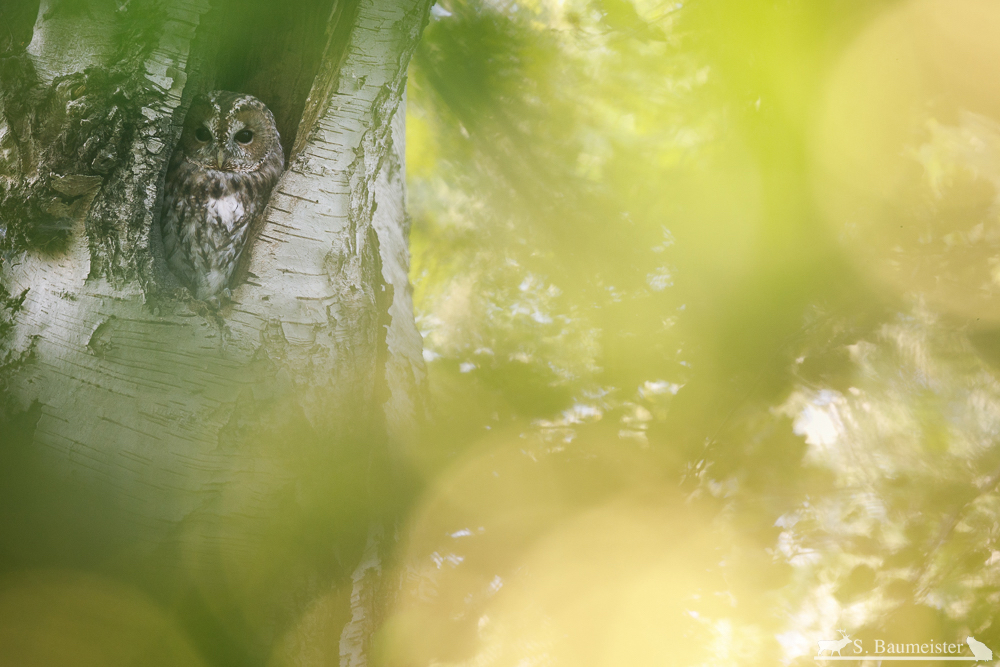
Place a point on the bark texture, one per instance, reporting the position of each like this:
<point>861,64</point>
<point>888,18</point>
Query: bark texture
<point>249,451</point>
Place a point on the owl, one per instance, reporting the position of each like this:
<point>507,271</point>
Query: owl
<point>218,182</point>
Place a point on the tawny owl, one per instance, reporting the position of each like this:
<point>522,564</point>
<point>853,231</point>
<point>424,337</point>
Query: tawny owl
<point>218,182</point>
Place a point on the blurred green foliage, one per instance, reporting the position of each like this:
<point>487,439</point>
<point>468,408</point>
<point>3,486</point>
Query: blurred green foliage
<point>622,272</point>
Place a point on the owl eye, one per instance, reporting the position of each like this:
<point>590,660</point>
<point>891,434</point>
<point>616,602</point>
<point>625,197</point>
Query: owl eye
<point>244,136</point>
<point>202,134</point>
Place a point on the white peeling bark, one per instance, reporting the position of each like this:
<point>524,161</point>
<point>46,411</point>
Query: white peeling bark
<point>201,424</point>
<point>127,386</point>
<point>405,373</point>
<point>309,286</point>
<point>97,360</point>
<point>70,38</point>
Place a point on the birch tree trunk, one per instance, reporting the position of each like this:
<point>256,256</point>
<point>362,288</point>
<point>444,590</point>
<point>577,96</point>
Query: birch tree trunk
<point>237,464</point>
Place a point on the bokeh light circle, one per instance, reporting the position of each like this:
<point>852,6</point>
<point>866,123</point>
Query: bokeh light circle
<point>906,153</point>
<point>57,617</point>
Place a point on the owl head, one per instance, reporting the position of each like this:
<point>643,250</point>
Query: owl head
<point>227,131</point>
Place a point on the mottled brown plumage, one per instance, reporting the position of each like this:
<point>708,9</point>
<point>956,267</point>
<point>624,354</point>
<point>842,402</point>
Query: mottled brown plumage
<point>218,182</point>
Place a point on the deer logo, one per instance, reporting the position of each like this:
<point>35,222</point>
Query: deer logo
<point>834,646</point>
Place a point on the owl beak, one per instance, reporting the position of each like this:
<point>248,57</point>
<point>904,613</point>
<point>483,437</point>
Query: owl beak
<point>221,159</point>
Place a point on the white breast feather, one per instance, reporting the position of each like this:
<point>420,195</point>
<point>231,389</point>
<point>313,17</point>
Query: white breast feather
<point>227,210</point>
